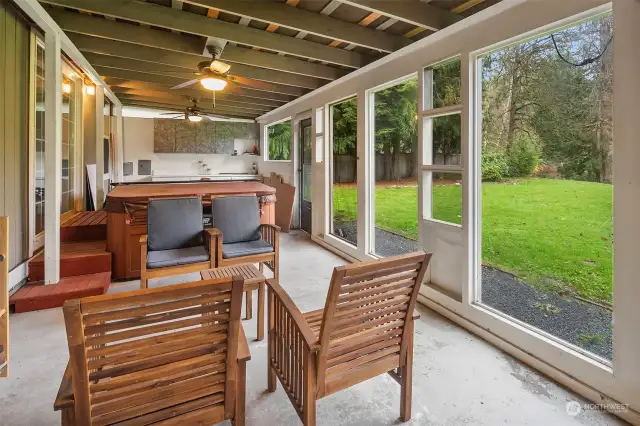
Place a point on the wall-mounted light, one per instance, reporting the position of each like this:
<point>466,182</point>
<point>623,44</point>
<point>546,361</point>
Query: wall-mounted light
<point>66,87</point>
<point>90,89</point>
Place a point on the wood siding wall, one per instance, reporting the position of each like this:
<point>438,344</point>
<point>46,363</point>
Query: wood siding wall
<point>14,119</point>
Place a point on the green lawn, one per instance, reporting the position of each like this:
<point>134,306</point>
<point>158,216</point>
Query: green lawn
<point>551,233</point>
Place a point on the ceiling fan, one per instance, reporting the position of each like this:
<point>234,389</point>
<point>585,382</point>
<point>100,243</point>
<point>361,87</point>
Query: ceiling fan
<point>192,113</point>
<point>214,74</point>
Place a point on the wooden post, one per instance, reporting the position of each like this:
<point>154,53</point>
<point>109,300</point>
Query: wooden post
<point>53,157</point>
<point>4,294</point>
<point>100,189</point>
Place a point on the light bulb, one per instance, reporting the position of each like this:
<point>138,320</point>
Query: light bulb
<point>66,87</point>
<point>211,83</point>
<point>195,118</point>
<point>90,90</point>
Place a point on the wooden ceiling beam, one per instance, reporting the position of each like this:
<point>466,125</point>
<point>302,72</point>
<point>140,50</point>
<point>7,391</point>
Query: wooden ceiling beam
<point>121,49</point>
<point>284,15</point>
<point>183,74</point>
<point>178,107</point>
<point>74,23</point>
<point>414,12</point>
<point>119,85</point>
<point>182,101</point>
<point>165,17</point>
<point>108,73</point>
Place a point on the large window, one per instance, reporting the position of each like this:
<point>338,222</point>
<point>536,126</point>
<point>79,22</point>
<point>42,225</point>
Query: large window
<point>394,169</point>
<point>547,147</point>
<point>71,121</point>
<point>442,143</point>
<point>278,138</point>
<point>344,179</point>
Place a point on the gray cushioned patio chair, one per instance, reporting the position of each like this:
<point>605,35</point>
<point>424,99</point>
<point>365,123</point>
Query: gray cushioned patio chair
<point>176,241</point>
<point>240,237</point>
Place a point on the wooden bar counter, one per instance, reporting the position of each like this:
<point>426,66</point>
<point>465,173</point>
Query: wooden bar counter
<point>127,214</point>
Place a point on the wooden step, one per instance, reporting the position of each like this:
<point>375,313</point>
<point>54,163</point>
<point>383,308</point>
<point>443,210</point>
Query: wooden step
<point>85,226</point>
<point>35,296</point>
<point>76,258</point>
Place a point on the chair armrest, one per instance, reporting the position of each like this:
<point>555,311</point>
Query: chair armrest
<point>143,239</point>
<point>213,232</point>
<point>268,225</point>
<point>65,398</point>
<point>243,347</point>
<point>300,323</point>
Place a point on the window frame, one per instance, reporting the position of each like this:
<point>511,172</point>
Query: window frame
<point>427,114</point>
<point>265,156</point>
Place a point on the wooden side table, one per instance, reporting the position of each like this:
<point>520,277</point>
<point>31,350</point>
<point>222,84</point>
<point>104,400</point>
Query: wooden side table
<point>253,280</point>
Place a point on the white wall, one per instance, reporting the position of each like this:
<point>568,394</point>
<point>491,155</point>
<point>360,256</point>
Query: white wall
<point>138,145</point>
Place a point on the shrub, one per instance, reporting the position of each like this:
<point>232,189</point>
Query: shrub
<point>523,157</point>
<point>494,165</point>
<point>546,171</point>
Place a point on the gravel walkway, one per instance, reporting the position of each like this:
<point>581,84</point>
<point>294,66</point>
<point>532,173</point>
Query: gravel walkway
<point>582,324</point>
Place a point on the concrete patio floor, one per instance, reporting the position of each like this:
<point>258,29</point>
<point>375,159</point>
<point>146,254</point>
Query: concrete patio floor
<point>459,379</point>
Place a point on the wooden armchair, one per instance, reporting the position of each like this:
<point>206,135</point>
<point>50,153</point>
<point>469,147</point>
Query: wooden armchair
<point>240,238</point>
<point>364,330</point>
<point>172,355</point>
<point>176,241</point>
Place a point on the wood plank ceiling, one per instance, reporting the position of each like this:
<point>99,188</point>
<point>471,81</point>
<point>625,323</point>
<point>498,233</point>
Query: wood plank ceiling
<point>144,48</point>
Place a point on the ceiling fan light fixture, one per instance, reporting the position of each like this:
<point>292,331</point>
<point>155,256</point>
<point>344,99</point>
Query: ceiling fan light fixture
<point>212,83</point>
<point>195,118</point>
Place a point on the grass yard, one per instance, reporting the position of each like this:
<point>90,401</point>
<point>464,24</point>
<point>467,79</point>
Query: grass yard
<point>550,233</point>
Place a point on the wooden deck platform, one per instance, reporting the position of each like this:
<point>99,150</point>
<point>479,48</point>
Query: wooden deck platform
<point>34,297</point>
<point>85,226</point>
<point>76,258</point>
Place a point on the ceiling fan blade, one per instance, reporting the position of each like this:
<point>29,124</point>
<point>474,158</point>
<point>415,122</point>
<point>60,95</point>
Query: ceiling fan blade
<point>186,84</point>
<point>252,83</point>
<point>233,88</point>
<point>172,113</point>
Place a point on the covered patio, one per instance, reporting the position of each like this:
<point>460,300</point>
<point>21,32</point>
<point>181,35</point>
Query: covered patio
<point>460,379</point>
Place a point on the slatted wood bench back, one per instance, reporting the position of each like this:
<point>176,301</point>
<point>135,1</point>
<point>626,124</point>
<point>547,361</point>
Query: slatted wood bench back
<point>364,330</point>
<point>159,355</point>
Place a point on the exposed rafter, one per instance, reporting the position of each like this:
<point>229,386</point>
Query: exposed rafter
<point>181,106</point>
<point>202,98</point>
<point>184,60</point>
<point>414,12</point>
<point>119,85</point>
<point>103,61</point>
<point>281,14</point>
<point>74,23</point>
<point>169,18</point>
<point>172,81</point>
<point>178,100</point>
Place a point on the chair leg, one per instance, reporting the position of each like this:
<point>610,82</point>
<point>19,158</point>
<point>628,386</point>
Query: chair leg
<point>239,415</point>
<point>406,376</point>
<point>271,374</point>
<point>249,306</point>
<point>260,334</point>
<point>143,282</point>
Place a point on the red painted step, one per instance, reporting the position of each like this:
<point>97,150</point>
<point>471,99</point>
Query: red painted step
<point>35,297</point>
<point>77,258</point>
<point>85,226</point>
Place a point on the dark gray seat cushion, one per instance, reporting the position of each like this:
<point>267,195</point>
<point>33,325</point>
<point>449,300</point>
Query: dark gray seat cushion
<point>246,248</point>
<point>174,224</point>
<point>175,257</point>
<point>238,218</point>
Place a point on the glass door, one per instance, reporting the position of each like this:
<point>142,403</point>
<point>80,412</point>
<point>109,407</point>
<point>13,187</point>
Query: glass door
<point>38,142</point>
<point>71,117</point>
<point>305,175</point>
